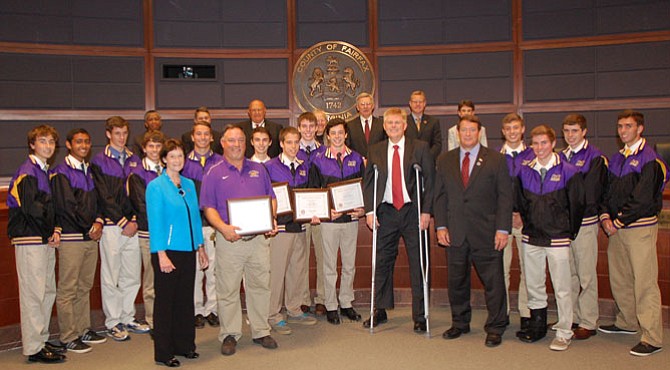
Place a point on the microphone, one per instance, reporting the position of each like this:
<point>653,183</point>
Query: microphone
<point>417,167</point>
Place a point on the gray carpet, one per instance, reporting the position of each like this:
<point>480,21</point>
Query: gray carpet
<point>393,346</point>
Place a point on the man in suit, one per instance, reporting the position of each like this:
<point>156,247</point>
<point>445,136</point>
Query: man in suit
<point>396,205</point>
<point>365,129</point>
<point>422,126</point>
<point>256,114</point>
<point>465,108</point>
<point>202,115</point>
<point>473,217</point>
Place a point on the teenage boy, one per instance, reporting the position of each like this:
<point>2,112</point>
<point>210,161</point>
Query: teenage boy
<point>197,163</point>
<point>465,108</point>
<point>288,249</point>
<point>584,249</point>
<point>260,141</point>
<point>35,237</point>
<point>637,177</point>
<point>76,206</point>
<point>120,256</point>
<point>517,154</point>
<point>550,199</point>
<point>140,176</point>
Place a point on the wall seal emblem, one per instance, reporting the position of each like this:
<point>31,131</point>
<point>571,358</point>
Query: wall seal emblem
<point>329,75</point>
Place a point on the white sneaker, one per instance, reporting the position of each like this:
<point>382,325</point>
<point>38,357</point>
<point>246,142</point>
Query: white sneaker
<point>302,319</point>
<point>118,333</point>
<point>137,327</point>
<point>281,328</point>
<point>559,344</point>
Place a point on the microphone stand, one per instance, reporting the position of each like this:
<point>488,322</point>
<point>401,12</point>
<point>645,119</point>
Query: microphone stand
<point>374,251</point>
<point>423,254</point>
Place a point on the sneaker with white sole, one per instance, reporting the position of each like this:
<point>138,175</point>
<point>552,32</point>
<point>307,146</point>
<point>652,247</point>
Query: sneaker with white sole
<point>77,346</point>
<point>281,328</point>
<point>559,344</point>
<point>138,327</point>
<point>613,329</point>
<point>643,349</point>
<point>302,319</point>
<point>91,337</point>
<point>118,333</point>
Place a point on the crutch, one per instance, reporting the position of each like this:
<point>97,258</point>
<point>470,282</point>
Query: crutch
<point>374,250</point>
<point>423,253</point>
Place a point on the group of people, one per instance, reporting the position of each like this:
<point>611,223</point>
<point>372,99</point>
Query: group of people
<point>161,222</point>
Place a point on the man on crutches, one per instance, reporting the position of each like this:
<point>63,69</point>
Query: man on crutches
<point>473,217</point>
<point>396,207</point>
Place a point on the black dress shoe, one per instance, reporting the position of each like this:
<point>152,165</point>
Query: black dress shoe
<point>266,341</point>
<point>454,332</point>
<point>56,347</point>
<point>333,317</point>
<point>493,340</point>
<point>350,313</point>
<point>173,362</point>
<point>377,319</point>
<point>46,356</point>
<point>191,355</point>
<point>419,327</point>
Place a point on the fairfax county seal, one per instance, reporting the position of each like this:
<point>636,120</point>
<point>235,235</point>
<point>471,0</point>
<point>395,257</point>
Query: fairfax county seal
<point>329,76</point>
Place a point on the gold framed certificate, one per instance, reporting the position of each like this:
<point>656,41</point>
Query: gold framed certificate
<point>311,202</point>
<point>347,195</point>
<point>253,215</point>
<point>283,195</point>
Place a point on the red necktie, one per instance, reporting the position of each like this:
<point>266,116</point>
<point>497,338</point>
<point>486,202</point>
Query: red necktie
<point>367,132</point>
<point>465,169</point>
<point>396,181</point>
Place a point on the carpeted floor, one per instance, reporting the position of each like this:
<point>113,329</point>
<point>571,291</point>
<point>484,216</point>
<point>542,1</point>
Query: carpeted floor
<point>393,346</point>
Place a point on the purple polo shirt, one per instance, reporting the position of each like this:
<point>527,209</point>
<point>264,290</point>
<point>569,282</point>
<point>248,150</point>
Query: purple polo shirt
<point>223,181</point>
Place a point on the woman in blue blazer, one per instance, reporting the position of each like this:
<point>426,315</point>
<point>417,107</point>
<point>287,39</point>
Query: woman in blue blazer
<point>175,232</point>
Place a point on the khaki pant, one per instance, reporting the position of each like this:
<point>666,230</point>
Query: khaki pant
<point>120,271</point>
<point>584,276</point>
<point>633,268</point>
<point>248,259</point>
<point>77,262</point>
<point>206,303</point>
<point>148,293</point>
<point>287,264</point>
<point>313,234</point>
<point>342,237</point>
<point>35,268</point>
<point>522,301</point>
<point>536,260</point>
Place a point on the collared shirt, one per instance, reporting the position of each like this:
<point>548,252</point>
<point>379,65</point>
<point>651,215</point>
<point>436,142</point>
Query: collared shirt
<point>314,145</point>
<point>224,181</point>
<point>473,156</point>
<point>151,165</point>
<point>578,148</point>
<point>284,159</point>
<point>258,160</point>
<point>388,191</point>
<point>552,162</point>
<point>77,164</point>
<point>254,125</point>
<point>506,149</point>
<point>633,148</point>
<point>369,119</point>
<point>44,166</point>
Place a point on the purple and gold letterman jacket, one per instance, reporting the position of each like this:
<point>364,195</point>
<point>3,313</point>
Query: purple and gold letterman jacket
<point>552,210</point>
<point>593,166</point>
<point>110,184</point>
<point>75,201</point>
<point>279,172</point>
<point>326,170</point>
<point>31,211</point>
<point>195,171</point>
<point>634,194</point>
<point>136,187</point>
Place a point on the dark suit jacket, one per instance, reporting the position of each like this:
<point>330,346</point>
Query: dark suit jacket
<point>188,143</point>
<point>416,151</point>
<point>430,132</point>
<point>356,138</point>
<point>478,211</point>
<point>274,129</point>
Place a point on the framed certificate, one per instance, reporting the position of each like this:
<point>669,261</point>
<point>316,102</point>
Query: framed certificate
<point>311,202</point>
<point>283,197</point>
<point>347,195</point>
<point>252,215</point>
